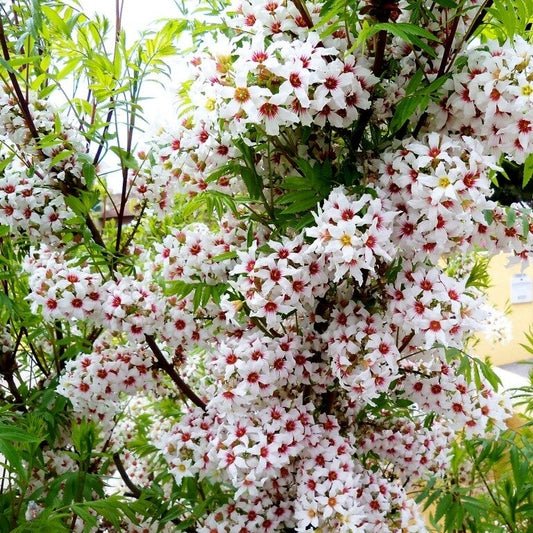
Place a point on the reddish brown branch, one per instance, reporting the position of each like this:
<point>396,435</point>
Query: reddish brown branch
<point>21,100</point>
<point>300,6</point>
<point>135,491</point>
<point>172,373</point>
<point>406,342</point>
<point>448,46</point>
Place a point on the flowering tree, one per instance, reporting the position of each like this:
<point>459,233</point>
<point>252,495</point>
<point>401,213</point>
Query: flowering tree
<point>295,358</point>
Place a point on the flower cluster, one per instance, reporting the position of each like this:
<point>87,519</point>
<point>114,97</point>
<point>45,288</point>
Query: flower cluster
<point>281,282</point>
<point>439,388</point>
<point>62,289</point>
<point>261,85</point>
<point>95,382</point>
<point>498,328</point>
<point>396,441</point>
<point>354,235</point>
<point>250,443</point>
<point>190,255</point>
<point>491,98</point>
<point>31,199</point>
<point>328,349</point>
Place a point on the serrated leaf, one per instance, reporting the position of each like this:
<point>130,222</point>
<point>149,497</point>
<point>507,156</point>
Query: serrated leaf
<point>178,288</point>
<point>76,205</point>
<point>414,82</point>
<point>443,506</point>
<point>14,434</point>
<point>295,182</point>
<point>299,201</point>
<point>489,374</point>
<point>525,225</point>
<point>90,520</point>
<point>217,291</point>
<point>222,171</point>
<point>253,182</point>
<point>449,4</point>
<point>408,32</point>
<point>197,298</point>
<point>13,458</point>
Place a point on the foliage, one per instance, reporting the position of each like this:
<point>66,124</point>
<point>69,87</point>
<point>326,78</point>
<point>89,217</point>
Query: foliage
<point>488,487</point>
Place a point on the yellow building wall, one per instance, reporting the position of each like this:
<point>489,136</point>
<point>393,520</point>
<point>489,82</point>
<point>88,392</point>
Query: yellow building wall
<point>521,316</point>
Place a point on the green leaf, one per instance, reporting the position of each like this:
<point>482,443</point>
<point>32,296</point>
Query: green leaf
<point>510,17</point>
<point>178,288</point>
<point>90,520</point>
<point>127,159</point>
<point>404,110</point>
<point>6,302</point>
<point>198,294</point>
<point>528,170</point>
<point>295,182</point>
<point>299,201</point>
<point>443,506</point>
<point>415,81</point>
<point>89,173</point>
<point>14,434</point>
<point>511,217</point>
<point>248,173</point>
<point>449,4</point>
<point>13,457</point>
<point>77,205</point>
<point>520,469</point>
<point>64,154</point>
<point>253,182</point>
<point>224,257</point>
<point>410,33</point>
<point>525,225</point>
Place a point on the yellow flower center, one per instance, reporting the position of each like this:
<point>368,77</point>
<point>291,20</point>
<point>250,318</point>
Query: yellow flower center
<point>346,240</point>
<point>444,182</point>
<point>526,90</point>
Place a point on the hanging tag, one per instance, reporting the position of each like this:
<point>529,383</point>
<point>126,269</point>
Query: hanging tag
<point>521,289</point>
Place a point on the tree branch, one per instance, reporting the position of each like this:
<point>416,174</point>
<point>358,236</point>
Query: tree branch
<point>172,373</point>
<point>21,100</point>
<point>136,491</point>
<point>300,6</point>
